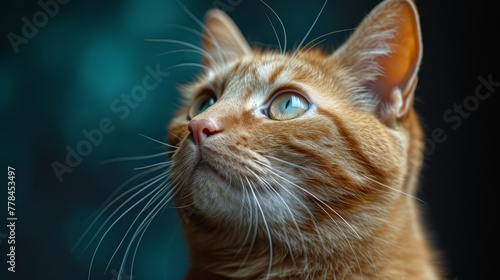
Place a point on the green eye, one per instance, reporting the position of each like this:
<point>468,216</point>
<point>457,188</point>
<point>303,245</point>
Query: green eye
<point>287,106</point>
<point>200,104</point>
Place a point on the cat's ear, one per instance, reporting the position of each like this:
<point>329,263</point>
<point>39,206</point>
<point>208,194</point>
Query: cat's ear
<point>384,54</point>
<point>222,40</point>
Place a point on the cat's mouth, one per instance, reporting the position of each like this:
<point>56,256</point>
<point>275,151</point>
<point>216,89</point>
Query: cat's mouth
<point>202,163</point>
<point>221,165</point>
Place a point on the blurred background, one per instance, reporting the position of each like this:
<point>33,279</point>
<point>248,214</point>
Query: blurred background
<point>71,100</point>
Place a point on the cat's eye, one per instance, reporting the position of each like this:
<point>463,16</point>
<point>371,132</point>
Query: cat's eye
<point>288,105</point>
<point>201,103</point>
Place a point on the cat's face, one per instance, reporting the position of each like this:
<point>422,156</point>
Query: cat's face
<point>301,140</point>
<point>282,136</point>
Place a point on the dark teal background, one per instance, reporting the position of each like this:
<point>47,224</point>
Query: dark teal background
<point>68,75</point>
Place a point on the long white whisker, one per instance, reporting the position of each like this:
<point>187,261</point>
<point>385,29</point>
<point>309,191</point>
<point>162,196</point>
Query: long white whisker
<point>190,64</point>
<point>305,207</point>
<point>283,161</point>
<point>135,158</point>
<point>317,201</point>
<point>313,219</point>
<point>178,42</point>
<point>320,200</point>
<point>267,229</point>
<point>159,142</point>
<point>313,45</point>
<point>180,51</point>
<point>251,222</point>
<point>327,34</point>
<point>275,33</point>
<point>245,201</point>
<point>310,45</point>
<point>164,164</point>
<point>143,231</point>
<point>282,25</point>
<point>292,216</point>
<point>139,242</point>
<point>312,26</point>
<point>394,189</point>
<point>157,192</point>
<point>191,30</point>
<point>146,222</point>
<point>119,218</point>
<point>219,50</point>
<point>113,199</point>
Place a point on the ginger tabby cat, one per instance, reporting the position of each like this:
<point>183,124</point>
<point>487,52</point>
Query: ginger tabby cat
<point>303,164</point>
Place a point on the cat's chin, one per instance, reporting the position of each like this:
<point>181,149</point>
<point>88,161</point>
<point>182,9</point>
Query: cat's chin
<point>213,194</point>
<point>207,169</point>
<point>223,192</point>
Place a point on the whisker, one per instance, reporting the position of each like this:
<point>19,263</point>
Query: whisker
<point>270,169</point>
<point>314,45</point>
<point>120,217</point>
<point>138,243</point>
<point>180,51</point>
<point>310,45</point>
<point>112,199</point>
<point>190,30</point>
<point>283,161</point>
<point>157,192</point>
<point>266,184</point>
<point>245,198</point>
<point>394,189</point>
<point>312,26</point>
<point>147,221</point>
<point>304,246</point>
<point>134,158</point>
<point>267,229</point>
<point>157,141</point>
<point>305,207</point>
<point>190,64</point>
<point>186,44</point>
<point>329,33</point>
<point>282,26</point>
<point>251,221</point>
<point>317,201</point>
<point>275,32</point>
<point>164,164</point>
<point>213,40</point>
<point>171,133</point>
<point>320,200</point>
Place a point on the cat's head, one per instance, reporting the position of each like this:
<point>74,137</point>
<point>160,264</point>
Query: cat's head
<point>303,139</point>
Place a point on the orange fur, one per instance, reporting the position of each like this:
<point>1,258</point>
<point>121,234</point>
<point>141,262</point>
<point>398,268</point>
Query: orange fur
<point>326,195</point>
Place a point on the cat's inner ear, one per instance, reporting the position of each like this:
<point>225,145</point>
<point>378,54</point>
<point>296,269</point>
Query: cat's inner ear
<point>384,55</point>
<point>222,40</point>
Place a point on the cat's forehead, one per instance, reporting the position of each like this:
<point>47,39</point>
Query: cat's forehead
<point>261,69</point>
<point>254,78</point>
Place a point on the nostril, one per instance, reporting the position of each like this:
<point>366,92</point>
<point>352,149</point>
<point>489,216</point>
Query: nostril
<point>208,132</point>
<point>201,129</point>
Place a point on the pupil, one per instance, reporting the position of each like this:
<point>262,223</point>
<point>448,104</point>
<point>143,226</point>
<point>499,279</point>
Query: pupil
<point>287,103</point>
<point>207,103</point>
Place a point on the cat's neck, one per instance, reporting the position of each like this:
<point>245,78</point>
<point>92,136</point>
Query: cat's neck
<point>396,250</point>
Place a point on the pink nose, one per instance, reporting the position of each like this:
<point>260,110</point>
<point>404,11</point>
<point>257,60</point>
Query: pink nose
<point>201,129</point>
